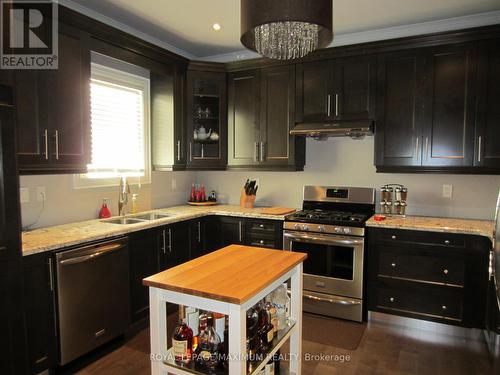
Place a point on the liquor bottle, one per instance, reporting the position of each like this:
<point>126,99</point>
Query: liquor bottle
<point>193,321</point>
<point>207,353</point>
<point>219,324</point>
<point>273,313</point>
<point>182,340</point>
<point>266,330</point>
<point>253,341</point>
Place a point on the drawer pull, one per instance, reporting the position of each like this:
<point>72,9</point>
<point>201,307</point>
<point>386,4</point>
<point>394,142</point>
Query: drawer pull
<point>393,237</point>
<point>444,307</point>
<point>447,242</point>
<point>445,271</point>
<point>393,265</point>
<point>261,241</point>
<point>261,225</point>
<point>392,299</point>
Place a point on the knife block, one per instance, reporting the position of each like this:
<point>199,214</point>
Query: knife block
<point>247,201</point>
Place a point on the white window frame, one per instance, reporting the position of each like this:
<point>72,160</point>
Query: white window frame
<point>121,73</point>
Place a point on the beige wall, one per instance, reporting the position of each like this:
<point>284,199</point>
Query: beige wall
<point>339,161</point>
<point>347,162</point>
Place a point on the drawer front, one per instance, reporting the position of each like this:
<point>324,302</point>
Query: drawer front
<point>436,302</point>
<point>417,237</point>
<point>262,242</point>
<point>422,267</point>
<point>261,226</point>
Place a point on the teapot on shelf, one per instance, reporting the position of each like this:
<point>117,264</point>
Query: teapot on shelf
<point>201,134</point>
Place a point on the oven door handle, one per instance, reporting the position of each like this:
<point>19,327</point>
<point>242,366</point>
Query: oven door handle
<point>329,240</point>
<point>330,300</point>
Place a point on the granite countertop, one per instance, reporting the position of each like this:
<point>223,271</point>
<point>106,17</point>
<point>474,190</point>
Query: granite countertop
<point>436,224</point>
<point>60,236</point>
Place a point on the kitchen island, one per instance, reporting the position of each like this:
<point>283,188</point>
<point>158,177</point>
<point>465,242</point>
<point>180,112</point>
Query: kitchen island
<point>228,281</point>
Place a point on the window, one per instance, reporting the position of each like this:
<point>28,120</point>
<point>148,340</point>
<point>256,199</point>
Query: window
<point>119,102</point>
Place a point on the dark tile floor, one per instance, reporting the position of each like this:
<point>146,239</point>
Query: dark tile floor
<point>387,347</point>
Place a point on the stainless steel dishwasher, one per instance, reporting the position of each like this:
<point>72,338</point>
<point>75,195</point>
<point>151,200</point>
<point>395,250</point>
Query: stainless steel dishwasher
<point>93,296</point>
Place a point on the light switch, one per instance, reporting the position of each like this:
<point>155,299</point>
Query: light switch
<point>447,191</point>
<point>24,195</point>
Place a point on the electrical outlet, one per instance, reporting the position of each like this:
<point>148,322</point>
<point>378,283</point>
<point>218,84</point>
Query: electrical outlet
<point>174,184</point>
<point>41,194</point>
<point>24,195</point>
<point>447,191</point>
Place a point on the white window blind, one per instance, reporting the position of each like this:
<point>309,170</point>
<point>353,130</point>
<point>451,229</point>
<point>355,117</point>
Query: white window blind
<point>118,140</point>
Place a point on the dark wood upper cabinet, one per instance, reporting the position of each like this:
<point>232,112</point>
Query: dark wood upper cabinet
<point>355,88</point>
<point>206,119</point>
<point>339,89</point>
<point>399,110</point>
<point>243,118</point>
<point>53,110</point>
<point>449,101</point>
<point>487,144</point>
<point>314,91</point>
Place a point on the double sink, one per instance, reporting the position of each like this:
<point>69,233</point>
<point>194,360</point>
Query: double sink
<point>136,219</point>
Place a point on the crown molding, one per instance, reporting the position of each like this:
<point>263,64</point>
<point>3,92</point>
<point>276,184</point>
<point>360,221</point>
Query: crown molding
<point>121,26</point>
<point>394,32</point>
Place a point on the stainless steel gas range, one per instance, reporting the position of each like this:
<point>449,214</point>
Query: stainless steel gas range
<point>331,229</point>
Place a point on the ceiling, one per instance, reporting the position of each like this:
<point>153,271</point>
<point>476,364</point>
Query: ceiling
<point>187,24</point>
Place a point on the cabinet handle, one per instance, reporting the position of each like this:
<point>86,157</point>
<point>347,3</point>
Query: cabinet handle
<point>447,242</point>
<point>170,240</point>
<point>392,299</point>
<point>416,148</point>
<point>190,151</point>
<point>262,157</point>
<point>426,148</point>
<point>443,307</point>
<point>178,150</point>
<point>56,135</point>
<point>328,105</point>
<point>445,271</point>
<point>336,104</point>
<point>393,237</point>
<point>393,265</point>
<point>240,232</point>
<point>46,136</point>
<point>164,241</point>
<point>261,225</point>
<point>479,146</point>
<point>51,274</point>
<point>199,231</point>
<point>256,152</point>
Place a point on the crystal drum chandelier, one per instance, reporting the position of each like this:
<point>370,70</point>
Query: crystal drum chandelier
<point>286,29</point>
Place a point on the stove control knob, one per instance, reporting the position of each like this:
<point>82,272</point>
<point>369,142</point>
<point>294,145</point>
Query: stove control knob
<point>347,230</point>
<point>321,228</point>
<point>305,227</point>
<point>338,230</point>
<point>296,226</point>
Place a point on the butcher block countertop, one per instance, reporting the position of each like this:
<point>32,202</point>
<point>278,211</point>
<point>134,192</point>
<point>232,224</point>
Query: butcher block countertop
<point>232,274</point>
<point>61,236</point>
<point>436,224</point>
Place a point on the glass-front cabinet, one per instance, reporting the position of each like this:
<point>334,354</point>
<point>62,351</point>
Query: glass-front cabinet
<point>206,119</point>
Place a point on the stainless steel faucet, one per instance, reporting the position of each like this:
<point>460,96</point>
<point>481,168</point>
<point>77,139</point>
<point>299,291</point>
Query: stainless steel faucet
<point>123,196</point>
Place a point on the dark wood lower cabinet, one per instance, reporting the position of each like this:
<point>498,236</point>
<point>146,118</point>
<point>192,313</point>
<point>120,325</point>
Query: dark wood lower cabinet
<point>431,276</point>
<point>39,310</point>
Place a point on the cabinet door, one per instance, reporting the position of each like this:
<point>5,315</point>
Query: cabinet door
<point>243,118</point>
<point>31,120</point>
<point>449,107</point>
<point>314,91</point>
<point>355,88</point>
<point>196,238</point>
<point>178,246</point>
<point>69,103</point>
<point>487,145</point>
<point>232,231</point>
<point>211,232</point>
<point>399,110</point>
<point>144,262</point>
<point>39,298</point>
<point>206,120</point>
<point>277,116</point>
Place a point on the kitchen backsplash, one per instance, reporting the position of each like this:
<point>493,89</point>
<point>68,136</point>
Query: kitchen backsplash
<point>337,161</point>
<point>347,162</point>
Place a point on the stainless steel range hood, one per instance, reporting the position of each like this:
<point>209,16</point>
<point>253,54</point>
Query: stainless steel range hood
<point>323,130</point>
